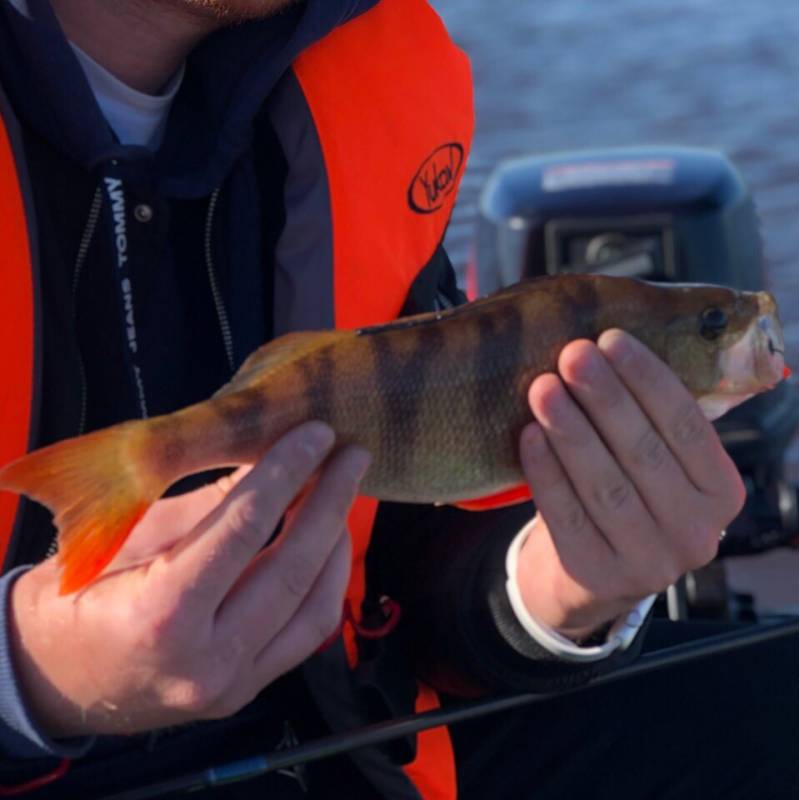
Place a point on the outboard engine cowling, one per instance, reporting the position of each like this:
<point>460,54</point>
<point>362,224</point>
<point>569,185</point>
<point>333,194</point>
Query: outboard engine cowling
<point>658,213</point>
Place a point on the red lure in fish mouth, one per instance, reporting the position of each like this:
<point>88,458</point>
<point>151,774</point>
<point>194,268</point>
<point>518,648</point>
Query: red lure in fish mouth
<point>786,373</point>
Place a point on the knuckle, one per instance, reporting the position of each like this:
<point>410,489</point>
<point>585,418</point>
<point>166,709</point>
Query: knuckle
<point>573,517</point>
<point>194,695</point>
<point>649,451</point>
<point>157,630</point>
<point>296,465</point>
<point>294,472</point>
<point>288,468</point>
<point>613,494</point>
<point>602,593</point>
<point>244,522</point>
<point>275,471</point>
<point>689,425</point>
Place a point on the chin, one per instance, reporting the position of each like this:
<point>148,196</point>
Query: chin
<point>231,11</point>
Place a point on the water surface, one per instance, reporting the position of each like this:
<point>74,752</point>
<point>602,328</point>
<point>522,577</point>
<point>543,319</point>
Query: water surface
<point>571,74</point>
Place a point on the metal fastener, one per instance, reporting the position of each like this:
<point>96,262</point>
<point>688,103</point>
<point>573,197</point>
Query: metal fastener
<point>143,212</point>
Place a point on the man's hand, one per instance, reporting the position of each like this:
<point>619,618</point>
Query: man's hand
<point>195,617</point>
<point>632,485</point>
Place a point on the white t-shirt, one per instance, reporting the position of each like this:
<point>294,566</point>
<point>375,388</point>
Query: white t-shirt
<point>135,117</point>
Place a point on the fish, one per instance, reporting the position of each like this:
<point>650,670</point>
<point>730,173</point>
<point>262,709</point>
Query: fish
<point>438,399</point>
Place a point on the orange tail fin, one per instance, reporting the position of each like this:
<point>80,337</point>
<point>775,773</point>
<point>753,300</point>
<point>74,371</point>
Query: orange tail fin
<point>97,490</point>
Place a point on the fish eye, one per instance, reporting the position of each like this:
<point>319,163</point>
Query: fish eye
<point>713,323</point>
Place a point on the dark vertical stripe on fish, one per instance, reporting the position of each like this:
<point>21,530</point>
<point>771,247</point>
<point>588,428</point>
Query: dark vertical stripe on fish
<point>497,362</point>
<point>243,415</point>
<point>172,441</point>
<point>584,310</point>
<point>485,361</point>
<point>318,374</point>
<point>401,379</point>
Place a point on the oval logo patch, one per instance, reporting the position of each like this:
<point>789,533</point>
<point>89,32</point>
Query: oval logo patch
<point>436,178</point>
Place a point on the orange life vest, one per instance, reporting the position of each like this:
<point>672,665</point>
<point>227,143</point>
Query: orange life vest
<point>17,322</point>
<point>390,99</point>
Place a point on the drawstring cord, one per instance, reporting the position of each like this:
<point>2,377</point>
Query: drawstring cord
<point>216,292</point>
<point>37,783</point>
<point>392,613</point>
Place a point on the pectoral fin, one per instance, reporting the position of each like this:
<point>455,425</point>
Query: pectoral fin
<point>510,497</point>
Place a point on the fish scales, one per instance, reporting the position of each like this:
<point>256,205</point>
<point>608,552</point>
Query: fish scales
<point>451,404</point>
<point>400,381</point>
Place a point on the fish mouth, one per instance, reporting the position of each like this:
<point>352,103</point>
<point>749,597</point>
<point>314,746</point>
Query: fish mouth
<point>756,362</point>
<point>770,354</point>
<point>772,349</point>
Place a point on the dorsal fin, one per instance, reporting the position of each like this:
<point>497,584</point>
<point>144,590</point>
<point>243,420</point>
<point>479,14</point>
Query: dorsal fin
<point>280,351</point>
<point>431,317</point>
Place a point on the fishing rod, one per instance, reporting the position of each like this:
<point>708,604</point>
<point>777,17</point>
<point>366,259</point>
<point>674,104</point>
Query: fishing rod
<point>381,732</point>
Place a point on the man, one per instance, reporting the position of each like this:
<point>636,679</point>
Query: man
<point>197,177</point>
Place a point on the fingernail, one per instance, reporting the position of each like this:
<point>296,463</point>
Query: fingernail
<point>317,438</point>
<point>533,439</point>
<point>616,345</point>
<point>553,404</point>
<point>360,462</point>
<point>587,370</point>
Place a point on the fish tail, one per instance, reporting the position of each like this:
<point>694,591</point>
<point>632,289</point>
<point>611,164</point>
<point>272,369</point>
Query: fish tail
<point>98,488</point>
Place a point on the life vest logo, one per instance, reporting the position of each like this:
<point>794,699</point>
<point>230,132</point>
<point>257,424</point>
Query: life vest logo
<point>436,179</point>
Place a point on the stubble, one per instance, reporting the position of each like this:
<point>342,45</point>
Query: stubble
<point>226,11</point>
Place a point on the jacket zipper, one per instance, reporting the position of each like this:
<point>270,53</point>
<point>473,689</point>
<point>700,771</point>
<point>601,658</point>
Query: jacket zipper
<point>83,251</point>
<point>80,259</point>
<point>221,311</point>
